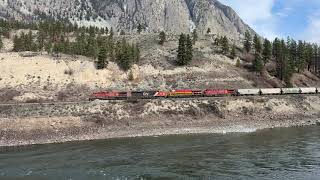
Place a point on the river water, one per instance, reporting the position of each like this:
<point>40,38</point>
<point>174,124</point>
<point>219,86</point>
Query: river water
<point>287,153</point>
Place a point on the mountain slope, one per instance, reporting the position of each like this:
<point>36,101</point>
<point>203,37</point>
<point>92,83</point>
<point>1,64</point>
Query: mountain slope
<point>173,16</point>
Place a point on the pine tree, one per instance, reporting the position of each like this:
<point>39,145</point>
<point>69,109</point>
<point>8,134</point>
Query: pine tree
<point>92,46</point>
<point>233,51</point>
<point>48,47</point>
<point>309,55</point>
<point>277,53</point>
<point>292,45</point>
<point>124,55</point>
<point>257,63</point>
<point>181,60</point>
<point>41,40</point>
<point>102,58</point>
<point>122,33</point>
<point>139,28</point>
<point>189,50</point>
<point>136,53</point>
<point>1,43</point>
<point>257,44</point>
<point>301,56</point>
<point>225,45</point>
<point>111,33</point>
<point>247,42</point>
<point>17,44</point>
<point>194,36</point>
<point>208,31</point>
<point>67,46</point>
<point>162,37</point>
<point>81,43</point>
<point>267,51</point>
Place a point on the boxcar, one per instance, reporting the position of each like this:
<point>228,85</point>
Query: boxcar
<point>246,92</point>
<point>311,90</point>
<point>218,92</point>
<point>271,91</point>
<point>291,91</point>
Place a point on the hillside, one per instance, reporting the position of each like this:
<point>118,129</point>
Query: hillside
<point>172,16</point>
<point>43,77</point>
<point>62,66</point>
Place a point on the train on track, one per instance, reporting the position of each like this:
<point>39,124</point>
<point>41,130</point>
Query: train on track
<point>108,95</point>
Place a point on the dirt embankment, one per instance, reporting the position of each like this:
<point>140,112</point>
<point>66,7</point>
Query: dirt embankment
<point>49,123</point>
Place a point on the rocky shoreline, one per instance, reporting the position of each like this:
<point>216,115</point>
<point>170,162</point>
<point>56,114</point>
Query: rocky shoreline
<point>25,124</point>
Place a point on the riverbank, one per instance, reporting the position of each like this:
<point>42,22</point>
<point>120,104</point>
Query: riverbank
<point>23,124</point>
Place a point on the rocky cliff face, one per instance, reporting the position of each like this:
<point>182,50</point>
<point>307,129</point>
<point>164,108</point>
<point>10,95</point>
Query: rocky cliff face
<point>173,16</point>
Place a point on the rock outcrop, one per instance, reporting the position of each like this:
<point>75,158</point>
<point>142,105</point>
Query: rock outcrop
<point>173,16</point>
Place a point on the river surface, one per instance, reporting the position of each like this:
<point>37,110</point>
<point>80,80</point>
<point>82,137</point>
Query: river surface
<point>287,153</point>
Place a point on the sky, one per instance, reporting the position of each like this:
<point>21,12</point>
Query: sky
<point>299,19</point>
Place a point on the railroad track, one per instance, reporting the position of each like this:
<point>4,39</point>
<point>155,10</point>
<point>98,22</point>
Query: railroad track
<point>145,99</point>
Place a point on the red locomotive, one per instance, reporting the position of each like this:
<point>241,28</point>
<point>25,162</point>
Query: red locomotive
<point>218,92</point>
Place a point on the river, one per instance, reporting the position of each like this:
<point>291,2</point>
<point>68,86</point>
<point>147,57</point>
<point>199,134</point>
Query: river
<point>284,153</point>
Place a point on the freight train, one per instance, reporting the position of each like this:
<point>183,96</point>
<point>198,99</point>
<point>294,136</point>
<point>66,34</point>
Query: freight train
<point>200,93</point>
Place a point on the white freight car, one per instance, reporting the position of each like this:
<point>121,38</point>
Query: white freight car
<point>291,91</point>
<point>271,91</point>
<point>246,92</point>
<point>310,90</point>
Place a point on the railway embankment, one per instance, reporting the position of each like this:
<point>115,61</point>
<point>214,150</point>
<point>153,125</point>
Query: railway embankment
<point>23,124</point>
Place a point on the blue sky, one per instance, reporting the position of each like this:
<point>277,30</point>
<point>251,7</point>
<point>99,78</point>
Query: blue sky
<point>299,19</point>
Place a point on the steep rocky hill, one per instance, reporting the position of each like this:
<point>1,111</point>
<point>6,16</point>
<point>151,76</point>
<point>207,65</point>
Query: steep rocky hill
<point>173,16</point>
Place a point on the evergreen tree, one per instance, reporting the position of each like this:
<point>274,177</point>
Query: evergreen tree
<point>92,46</point>
<point>247,42</point>
<point>139,28</point>
<point>80,44</point>
<point>17,44</point>
<point>57,48</point>
<point>301,56</point>
<point>122,33</point>
<point>257,63</point>
<point>309,55</point>
<point>277,52</point>
<point>136,53</point>
<point>257,44</point>
<point>181,57</point>
<point>194,36</point>
<point>189,50</point>
<point>225,45</point>
<point>111,33</point>
<point>208,31</point>
<point>102,58</point>
<point>48,47</point>
<point>106,30</point>
<point>1,43</point>
<point>162,37</point>
<point>233,51</point>
<point>41,40</point>
<point>292,45</point>
<point>124,55</point>
<point>267,51</point>
<point>286,71</point>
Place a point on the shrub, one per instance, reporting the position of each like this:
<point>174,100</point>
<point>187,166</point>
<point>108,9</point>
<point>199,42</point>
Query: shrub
<point>68,72</point>
<point>131,77</point>
<point>238,64</point>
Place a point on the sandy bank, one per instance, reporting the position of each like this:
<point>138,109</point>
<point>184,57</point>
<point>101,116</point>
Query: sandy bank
<point>53,123</point>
